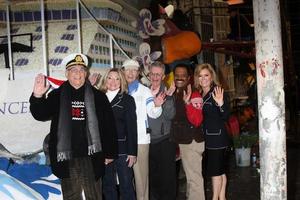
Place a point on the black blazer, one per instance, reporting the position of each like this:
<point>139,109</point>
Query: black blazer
<point>124,109</point>
<point>43,109</point>
<point>214,120</point>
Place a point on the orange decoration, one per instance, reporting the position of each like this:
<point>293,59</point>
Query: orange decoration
<point>184,45</point>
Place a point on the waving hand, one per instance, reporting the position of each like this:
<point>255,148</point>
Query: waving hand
<point>40,87</point>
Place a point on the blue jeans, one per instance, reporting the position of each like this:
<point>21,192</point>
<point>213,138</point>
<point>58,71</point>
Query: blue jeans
<point>125,174</point>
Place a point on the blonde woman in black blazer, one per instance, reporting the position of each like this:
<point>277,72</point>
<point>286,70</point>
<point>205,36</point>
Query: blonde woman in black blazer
<point>114,85</point>
<point>215,113</point>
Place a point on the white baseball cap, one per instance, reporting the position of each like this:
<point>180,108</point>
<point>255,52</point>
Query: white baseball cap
<point>75,59</point>
<point>131,64</point>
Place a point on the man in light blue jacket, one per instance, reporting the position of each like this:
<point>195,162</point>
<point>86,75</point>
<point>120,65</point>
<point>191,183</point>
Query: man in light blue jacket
<point>145,107</point>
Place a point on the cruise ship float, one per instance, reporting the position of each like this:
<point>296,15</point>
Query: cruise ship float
<point>104,32</point>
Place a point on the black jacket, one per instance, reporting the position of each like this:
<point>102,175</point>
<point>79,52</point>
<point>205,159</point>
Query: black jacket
<point>43,109</point>
<point>182,131</point>
<point>123,106</point>
<point>214,122</point>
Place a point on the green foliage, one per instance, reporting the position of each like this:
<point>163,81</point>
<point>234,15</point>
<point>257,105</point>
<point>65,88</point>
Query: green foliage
<point>245,140</point>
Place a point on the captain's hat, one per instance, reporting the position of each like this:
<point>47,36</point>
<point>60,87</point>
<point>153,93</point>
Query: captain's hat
<point>75,59</point>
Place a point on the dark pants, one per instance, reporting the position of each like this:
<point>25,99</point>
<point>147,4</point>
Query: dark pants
<point>118,167</point>
<point>162,170</point>
<point>82,179</point>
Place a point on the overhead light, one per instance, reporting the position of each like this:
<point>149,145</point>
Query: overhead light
<point>234,2</point>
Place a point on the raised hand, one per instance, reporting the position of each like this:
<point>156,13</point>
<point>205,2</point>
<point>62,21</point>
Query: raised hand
<point>218,95</point>
<point>154,91</point>
<point>159,99</point>
<point>94,78</point>
<point>187,94</point>
<point>171,89</point>
<point>40,87</point>
<point>131,160</point>
<point>108,161</point>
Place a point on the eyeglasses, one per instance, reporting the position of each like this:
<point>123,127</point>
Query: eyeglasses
<point>131,71</point>
<point>76,70</point>
<point>155,75</point>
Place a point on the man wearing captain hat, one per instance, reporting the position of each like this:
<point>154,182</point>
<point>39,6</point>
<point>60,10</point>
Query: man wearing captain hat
<point>82,133</point>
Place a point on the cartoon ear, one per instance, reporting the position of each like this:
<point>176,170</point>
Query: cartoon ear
<point>144,16</point>
<point>155,55</point>
<point>144,49</point>
<point>169,10</point>
<point>145,13</point>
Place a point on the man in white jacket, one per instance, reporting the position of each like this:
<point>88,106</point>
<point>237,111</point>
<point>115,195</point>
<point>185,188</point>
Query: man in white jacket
<point>146,106</point>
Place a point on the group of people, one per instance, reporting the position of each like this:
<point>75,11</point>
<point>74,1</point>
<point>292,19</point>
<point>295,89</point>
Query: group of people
<point>124,133</point>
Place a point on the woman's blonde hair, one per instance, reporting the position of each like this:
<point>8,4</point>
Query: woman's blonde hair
<point>123,83</point>
<point>211,70</point>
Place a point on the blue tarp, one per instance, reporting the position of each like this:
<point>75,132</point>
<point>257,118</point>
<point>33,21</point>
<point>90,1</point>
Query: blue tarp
<point>36,176</point>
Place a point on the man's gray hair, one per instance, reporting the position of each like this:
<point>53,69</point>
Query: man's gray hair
<point>158,64</point>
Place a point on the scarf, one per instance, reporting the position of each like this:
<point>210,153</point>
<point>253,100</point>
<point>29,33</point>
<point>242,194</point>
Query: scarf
<point>132,87</point>
<point>64,132</point>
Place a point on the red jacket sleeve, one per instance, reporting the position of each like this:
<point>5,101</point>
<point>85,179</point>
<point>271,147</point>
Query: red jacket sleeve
<point>194,116</point>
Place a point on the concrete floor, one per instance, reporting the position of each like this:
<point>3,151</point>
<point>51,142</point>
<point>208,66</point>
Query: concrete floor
<point>244,182</point>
